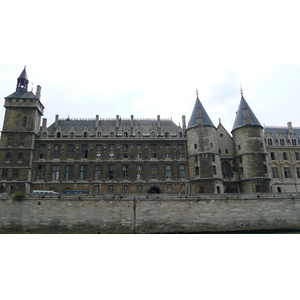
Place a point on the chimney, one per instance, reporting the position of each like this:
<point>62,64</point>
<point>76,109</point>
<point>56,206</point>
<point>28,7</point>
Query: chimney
<point>118,121</point>
<point>183,123</point>
<point>199,116</point>
<point>38,92</point>
<point>158,121</point>
<point>44,123</point>
<point>56,121</point>
<point>97,121</point>
<point>131,121</point>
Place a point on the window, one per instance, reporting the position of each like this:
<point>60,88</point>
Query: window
<point>111,155</point>
<point>55,173</point>
<point>70,151</point>
<point>69,172</point>
<point>111,147</point>
<point>282,143</point>
<point>4,174</point>
<point>99,134</point>
<point>226,170</point>
<point>58,134</point>
<point>179,134</point>
<point>98,147</point>
<point>43,147</point>
<point>294,142</point>
<point>125,188</point>
<point>152,134</point>
<point>125,172</point>
<point>15,174</point>
<point>239,147</point>
<point>125,155</point>
<point>42,155</point>
<point>11,136</point>
<point>240,159</point>
<point>98,155</point>
<point>97,172</point>
<point>125,147</point>
<point>272,155</point>
<point>85,135</point>
<point>181,171</point>
<point>71,135</point>
<point>20,157</point>
<point>84,151</point>
<point>196,159</point>
<point>274,172</point>
<point>44,135</point>
<point>167,134</point>
<point>180,147</point>
<point>139,134</point>
<point>213,159</point>
<point>8,156</point>
<point>24,122</point>
<point>270,142</point>
<point>298,172</point>
<point>139,155</point>
<point>167,147</point>
<point>112,134</point>
<point>153,169</point>
<point>257,188</point>
<point>153,147</point>
<point>40,172</point>
<point>168,155</point>
<point>56,153</point>
<point>242,171</point>
<point>195,146</point>
<point>139,169</point>
<point>153,155</point>
<point>197,171</point>
<point>284,155</point>
<point>226,151</point>
<point>111,172</point>
<point>139,188</point>
<point>214,170</point>
<point>181,155</point>
<point>83,172</point>
<point>125,134</point>
<point>287,173</point>
<point>168,172</point>
<point>211,145</point>
<point>297,156</point>
<point>139,147</point>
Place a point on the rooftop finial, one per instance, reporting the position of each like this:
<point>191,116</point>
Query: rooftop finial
<point>197,92</point>
<point>241,89</point>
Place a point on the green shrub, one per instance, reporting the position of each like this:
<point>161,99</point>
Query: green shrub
<point>19,196</point>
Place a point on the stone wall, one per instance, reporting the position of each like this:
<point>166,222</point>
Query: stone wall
<point>150,214</point>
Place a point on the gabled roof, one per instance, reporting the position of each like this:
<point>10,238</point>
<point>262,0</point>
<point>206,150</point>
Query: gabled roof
<point>205,118</point>
<point>240,120</point>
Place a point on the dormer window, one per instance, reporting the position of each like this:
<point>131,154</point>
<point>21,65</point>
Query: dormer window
<point>58,134</point>
<point>85,135</point>
<point>112,134</point>
<point>71,134</point>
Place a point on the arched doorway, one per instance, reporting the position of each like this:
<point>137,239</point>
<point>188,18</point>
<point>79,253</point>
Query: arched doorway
<point>154,190</point>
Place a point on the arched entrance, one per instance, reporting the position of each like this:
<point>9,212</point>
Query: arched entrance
<point>154,190</point>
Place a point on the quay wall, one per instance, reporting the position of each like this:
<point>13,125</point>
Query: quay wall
<point>156,213</point>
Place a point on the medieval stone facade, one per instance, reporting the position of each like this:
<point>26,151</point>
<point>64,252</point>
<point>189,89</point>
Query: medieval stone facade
<point>115,156</point>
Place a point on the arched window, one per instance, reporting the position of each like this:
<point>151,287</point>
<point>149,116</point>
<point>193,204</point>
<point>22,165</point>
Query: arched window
<point>227,170</point>
<point>125,134</point>
<point>58,134</point>
<point>179,134</point>
<point>152,134</point>
<point>44,135</point>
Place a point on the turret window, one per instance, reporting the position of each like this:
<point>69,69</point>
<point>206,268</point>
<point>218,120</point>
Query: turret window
<point>24,122</point>
<point>195,146</point>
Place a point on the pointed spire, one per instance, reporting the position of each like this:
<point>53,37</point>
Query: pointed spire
<point>23,81</point>
<point>245,115</point>
<point>199,113</point>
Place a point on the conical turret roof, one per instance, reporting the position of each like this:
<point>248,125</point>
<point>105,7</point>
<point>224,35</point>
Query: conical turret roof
<point>23,74</point>
<point>205,118</point>
<point>240,118</point>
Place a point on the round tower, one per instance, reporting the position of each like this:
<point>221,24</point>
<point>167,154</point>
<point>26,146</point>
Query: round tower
<point>203,153</point>
<point>250,151</point>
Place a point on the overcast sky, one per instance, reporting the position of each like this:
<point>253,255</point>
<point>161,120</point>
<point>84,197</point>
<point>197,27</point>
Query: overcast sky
<point>146,58</point>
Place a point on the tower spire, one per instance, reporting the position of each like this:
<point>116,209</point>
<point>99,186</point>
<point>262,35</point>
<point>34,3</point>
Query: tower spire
<point>22,82</point>
<point>241,89</point>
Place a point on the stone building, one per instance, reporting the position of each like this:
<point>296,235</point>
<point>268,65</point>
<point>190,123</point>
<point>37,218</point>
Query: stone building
<point>142,155</point>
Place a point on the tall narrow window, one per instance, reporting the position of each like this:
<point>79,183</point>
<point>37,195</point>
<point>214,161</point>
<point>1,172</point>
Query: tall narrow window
<point>56,152</point>
<point>4,174</point>
<point>55,173</point>
<point>84,151</point>
<point>153,169</point>
<point>111,172</point>
<point>287,172</point>
<point>97,172</point>
<point>8,156</point>
<point>83,172</point>
<point>69,172</point>
<point>24,122</point>
<point>125,172</point>
<point>181,171</point>
<point>168,172</point>
<point>41,173</point>
<point>20,157</point>
<point>16,174</point>
<point>70,150</point>
<point>274,172</point>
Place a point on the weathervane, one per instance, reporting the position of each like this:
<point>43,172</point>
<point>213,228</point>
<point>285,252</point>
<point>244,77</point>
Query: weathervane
<point>241,89</point>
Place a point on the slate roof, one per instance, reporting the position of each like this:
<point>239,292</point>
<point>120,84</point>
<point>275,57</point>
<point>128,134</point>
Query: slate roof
<point>239,119</point>
<point>22,94</point>
<point>275,131</point>
<point>205,118</point>
<point>108,125</point>
<point>23,74</point>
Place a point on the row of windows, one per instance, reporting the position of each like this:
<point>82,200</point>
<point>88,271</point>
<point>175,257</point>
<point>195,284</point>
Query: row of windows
<point>112,134</point>
<point>282,142</point>
<point>9,156</point>
<point>284,156</point>
<point>286,171</point>
<point>84,172</point>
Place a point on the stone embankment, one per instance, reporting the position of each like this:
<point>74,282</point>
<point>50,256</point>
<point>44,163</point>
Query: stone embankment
<point>157,213</point>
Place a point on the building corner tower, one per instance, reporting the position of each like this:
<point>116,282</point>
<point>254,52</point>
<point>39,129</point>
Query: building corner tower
<point>250,151</point>
<point>203,153</point>
<point>23,111</point>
